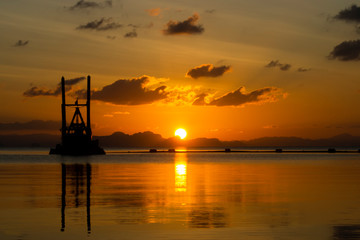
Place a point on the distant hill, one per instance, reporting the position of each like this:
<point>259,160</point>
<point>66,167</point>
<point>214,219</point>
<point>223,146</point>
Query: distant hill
<point>120,139</point>
<point>151,140</point>
<point>343,140</point>
<point>29,140</point>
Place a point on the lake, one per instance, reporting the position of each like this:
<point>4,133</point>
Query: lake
<point>179,196</point>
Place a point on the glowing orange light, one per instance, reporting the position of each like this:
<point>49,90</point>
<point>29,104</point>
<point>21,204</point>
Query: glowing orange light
<point>181,133</point>
<point>180,172</point>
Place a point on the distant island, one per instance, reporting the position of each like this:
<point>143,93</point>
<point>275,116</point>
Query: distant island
<point>152,140</point>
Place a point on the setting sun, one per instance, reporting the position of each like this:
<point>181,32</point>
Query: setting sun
<point>181,133</point>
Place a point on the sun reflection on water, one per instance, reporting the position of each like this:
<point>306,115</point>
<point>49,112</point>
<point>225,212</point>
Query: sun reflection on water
<point>180,172</point>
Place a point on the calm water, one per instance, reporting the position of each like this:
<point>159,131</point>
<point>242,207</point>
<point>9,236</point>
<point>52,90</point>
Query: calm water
<point>180,196</point>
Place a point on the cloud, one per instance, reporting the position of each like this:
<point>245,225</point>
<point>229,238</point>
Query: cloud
<point>21,43</point>
<point>210,11</point>
<point>73,81</point>
<point>207,70</point>
<point>270,126</point>
<point>239,97</point>
<point>103,24</point>
<point>154,12</point>
<point>116,113</point>
<point>82,4</point>
<point>135,91</point>
<point>285,67</point>
<point>276,63</point>
<point>346,51</point>
<point>36,91</point>
<point>181,95</point>
<point>185,27</point>
<point>301,69</point>
<point>349,14</point>
<point>31,125</point>
<point>131,34</point>
<point>121,113</point>
<point>135,26</point>
<point>273,63</point>
<point>200,99</point>
<point>150,25</point>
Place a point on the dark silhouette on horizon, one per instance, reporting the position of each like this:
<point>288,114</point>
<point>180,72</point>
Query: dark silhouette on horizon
<point>152,140</point>
<point>74,173</point>
<point>76,138</point>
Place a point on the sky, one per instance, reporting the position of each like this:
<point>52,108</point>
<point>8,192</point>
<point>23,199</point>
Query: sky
<point>233,70</point>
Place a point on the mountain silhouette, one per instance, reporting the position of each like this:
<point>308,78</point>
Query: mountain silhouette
<point>120,139</point>
<point>152,140</point>
<point>29,140</point>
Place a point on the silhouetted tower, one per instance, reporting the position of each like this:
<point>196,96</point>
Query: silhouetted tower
<point>76,138</point>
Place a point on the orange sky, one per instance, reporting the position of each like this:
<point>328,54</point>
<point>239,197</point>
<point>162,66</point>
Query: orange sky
<point>234,70</point>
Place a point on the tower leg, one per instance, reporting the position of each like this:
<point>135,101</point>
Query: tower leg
<point>88,123</point>
<point>63,111</point>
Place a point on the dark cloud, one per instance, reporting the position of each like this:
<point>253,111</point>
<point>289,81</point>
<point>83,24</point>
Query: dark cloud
<point>185,27</point>
<point>21,43</point>
<point>131,34</point>
<point>301,69</point>
<point>346,51</point>
<point>36,91</point>
<point>349,14</point>
<point>73,81</point>
<point>128,92</point>
<point>103,24</point>
<point>31,125</point>
<point>207,70</point>
<point>135,26</point>
<point>273,63</point>
<point>239,97</point>
<point>285,67</point>
<point>281,66</point>
<point>82,4</point>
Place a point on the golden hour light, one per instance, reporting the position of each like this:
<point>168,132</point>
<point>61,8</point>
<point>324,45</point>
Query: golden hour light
<point>181,169</point>
<point>99,126</point>
<point>181,133</point>
<point>180,172</point>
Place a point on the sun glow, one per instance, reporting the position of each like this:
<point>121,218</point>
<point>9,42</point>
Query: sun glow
<point>181,133</point>
<point>180,172</point>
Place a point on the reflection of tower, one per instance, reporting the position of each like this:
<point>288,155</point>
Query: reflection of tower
<point>73,175</point>
<point>180,172</point>
<point>351,231</point>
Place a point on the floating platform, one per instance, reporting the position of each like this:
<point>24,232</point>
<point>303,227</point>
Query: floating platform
<point>76,138</point>
<point>91,148</point>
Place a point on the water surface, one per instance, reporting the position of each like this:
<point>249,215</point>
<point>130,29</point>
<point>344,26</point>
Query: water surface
<point>180,196</point>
